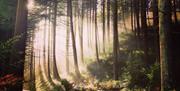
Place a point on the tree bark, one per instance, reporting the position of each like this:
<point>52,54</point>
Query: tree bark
<point>144,29</point>
<point>164,31</point>
<point>67,40</point>
<point>44,45</point>
<point>136,9</point>
<point>73,40</point>
<point>132,16</point>
<point>55,69</point>
<point>103,21</point>
<point>49,46</point>
<point>20,30</point>
<point>108,18</point>
<point>96,31</point>
<point>115,39</point>
<point>81,35</point>
<point>81,19</point>
<point>156,28</point>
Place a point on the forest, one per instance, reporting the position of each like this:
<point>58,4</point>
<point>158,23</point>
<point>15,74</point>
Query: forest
<point>89,45</point>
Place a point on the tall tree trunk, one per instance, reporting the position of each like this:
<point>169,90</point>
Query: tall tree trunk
<point>44,45</point>
<point>136,9</point>
<point>55,69</point>
<point>103,21</point>
<point>96,31</point>
<point>90,25</point>
<point>156,28</point>
<point>132,16</point>
<point>49,47</point>
<point>144,28</point>
<point>73,40</point>
<point>136,22</point>
<point>155,14</point>
<point>108,19</point>
<point>32,66</point>
<point>80,28</point>
<point>81,34</point>
<point>20,29</point>
<point>164,31</point>
<point>123,14</point>
<point>115,39</point>
<point>67,40</point>
<point>143,14</point>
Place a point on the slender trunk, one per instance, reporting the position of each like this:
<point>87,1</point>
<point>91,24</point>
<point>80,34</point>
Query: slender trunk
<point>67,41</point>
<point>108,19</point>
<point>73,40</point>
<point>103,20</point>
<point>115,39</point>
<point>132,14</point>
<point>55,69</point>
<point>49,47</point>
<point>81,35</point>
<point>90,25</point>
<point>155,14</point>
<point>156,28</point>
<point>34,72</point>
<point>123,15</point>
<point>32,66</point>
<point>144,28</point>
<point>164,31</point>
<point>91,20</point>
<point>67,47</point>
<point>44,45</point>
<point>137,17</point>
<point>96,31</point>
